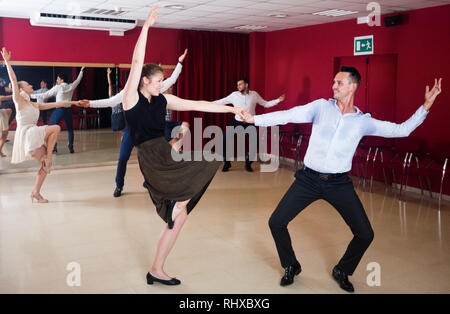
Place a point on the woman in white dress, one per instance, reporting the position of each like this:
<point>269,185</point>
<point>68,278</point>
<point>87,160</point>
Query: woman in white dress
<point>32,141</point>
<point>4,124</point>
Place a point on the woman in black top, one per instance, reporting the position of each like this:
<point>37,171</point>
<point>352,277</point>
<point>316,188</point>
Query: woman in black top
<point>174,186</point>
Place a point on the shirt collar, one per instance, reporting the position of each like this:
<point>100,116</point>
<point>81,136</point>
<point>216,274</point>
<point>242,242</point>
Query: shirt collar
<point>334,102</point>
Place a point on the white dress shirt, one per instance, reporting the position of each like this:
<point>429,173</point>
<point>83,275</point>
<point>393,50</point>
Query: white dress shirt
<point>41,91</point>
<point>335,136</point>
<point>117,99</point>
<point>247,101</point>
<point>62,92</point>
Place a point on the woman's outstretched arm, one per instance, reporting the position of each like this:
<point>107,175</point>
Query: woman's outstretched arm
<point>179,104</point>
<point>51,105</point>
<point>18,100</point>
<point>131,96</point>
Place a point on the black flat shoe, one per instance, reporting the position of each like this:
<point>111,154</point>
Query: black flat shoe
<point>342,279</point>
<point>226,166</point>
<point>71,150</point>
<point>289,273</point>
<point>117,192</point>
<point>248,168</point>
<point>171,282</point>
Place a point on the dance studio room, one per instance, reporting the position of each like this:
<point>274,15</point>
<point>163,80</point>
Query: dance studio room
<point>320,130</point>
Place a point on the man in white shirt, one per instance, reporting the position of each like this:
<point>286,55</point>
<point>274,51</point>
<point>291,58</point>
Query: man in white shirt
<point>338,126</point>
<point>43,89</point>
<point>63,92</point>
<point>245,98</point>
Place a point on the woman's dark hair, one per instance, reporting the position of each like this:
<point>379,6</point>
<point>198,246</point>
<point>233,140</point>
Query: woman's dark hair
<point>150,69</point>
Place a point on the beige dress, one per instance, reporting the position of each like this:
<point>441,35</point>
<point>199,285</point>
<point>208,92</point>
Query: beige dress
<point>4,120</point>
<point>28,135</point>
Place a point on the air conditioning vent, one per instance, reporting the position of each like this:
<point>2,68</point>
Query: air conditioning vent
<point>86,18</point>
<point>116,25</point>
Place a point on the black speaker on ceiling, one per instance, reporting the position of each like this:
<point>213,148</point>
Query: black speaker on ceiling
<point>393,20</point>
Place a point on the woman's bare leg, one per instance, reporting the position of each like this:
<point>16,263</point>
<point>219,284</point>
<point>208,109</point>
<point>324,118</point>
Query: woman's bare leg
<point>2,142</point>
<point>39,154</point>
<point>167,240</point>
<point>51,136</point>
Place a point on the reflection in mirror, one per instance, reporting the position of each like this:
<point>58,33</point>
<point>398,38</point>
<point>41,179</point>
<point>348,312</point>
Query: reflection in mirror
<point>94,141</point>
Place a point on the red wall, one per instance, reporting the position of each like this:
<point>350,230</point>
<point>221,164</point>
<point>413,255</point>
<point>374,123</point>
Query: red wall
<point>300,62</point>
<point>32,43</point>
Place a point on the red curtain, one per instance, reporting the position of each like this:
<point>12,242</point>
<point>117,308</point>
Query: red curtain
<point>214,63</point>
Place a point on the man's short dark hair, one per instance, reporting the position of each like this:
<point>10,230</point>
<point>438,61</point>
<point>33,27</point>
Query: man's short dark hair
<point>354,75</point>
<point>62,76</point>
<point>243,79</point>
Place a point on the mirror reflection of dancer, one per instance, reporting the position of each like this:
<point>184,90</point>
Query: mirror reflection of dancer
<point>32,141</point>
<point>246,99</point>
<point>44,88</point>
<point>338,126</point>
<point>175,187</point>
<point>126,144</point>
<point>5,114</point>
<point>63,92</point>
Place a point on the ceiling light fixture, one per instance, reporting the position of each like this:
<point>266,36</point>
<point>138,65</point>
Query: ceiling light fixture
<point>278,15</point>
<point>250,27</point>
<point>175,6</point>
<point>335,12</point>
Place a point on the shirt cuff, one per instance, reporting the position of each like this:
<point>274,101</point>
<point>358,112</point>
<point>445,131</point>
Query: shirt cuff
<point>258,120</point>
<point>422,111</point>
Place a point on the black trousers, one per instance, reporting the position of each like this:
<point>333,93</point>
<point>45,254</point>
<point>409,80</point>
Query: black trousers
<point>245,126</point>
<point>339,192</point>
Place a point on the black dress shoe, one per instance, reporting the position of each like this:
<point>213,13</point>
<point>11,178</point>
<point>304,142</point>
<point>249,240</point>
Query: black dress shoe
<point>145,185</point>
<point>71,150</point>
<point>248,167</point>
<point>117,192</point>
<point>226,166</point>
<point>171,282</point>
<point>55,150</point>
<point>342,280</point>
<point>289,273</point>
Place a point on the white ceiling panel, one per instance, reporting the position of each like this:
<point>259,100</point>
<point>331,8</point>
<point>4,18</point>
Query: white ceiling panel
<point>216,14</point>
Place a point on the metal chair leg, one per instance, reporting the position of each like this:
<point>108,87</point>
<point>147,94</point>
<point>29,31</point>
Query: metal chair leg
<point>429,186</point>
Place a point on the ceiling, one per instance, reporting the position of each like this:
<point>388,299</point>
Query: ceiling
<point>218,15</point>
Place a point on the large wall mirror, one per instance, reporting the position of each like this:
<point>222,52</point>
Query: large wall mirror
<point>94,141</point>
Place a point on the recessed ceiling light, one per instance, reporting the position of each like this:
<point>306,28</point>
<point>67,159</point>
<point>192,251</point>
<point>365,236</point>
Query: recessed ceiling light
<point>175,6</point>
<point>335,13</point>
<point>278,15</point>
<point>400,9</point>
<point>250,27</point>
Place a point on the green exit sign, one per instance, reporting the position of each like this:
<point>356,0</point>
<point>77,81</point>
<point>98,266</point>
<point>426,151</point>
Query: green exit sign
<point>363,45</point>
